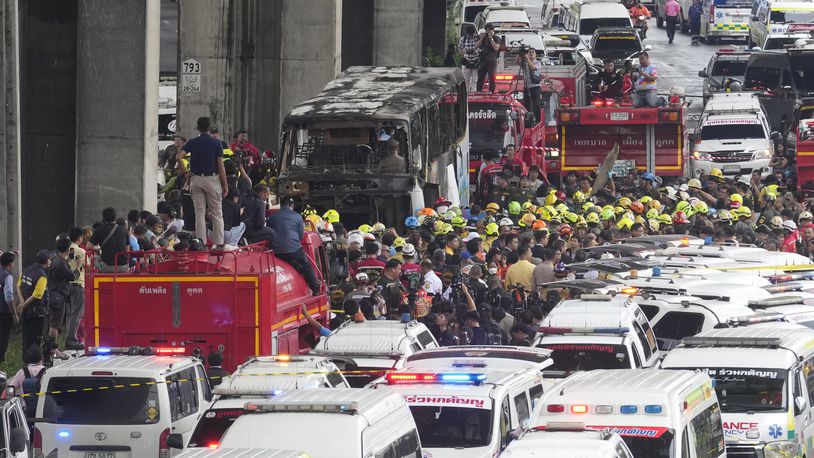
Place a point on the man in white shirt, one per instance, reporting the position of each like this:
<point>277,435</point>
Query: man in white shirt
<point>432,283</point>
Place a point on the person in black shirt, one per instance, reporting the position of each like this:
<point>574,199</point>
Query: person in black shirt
<point>489,46</point>
<point>233,227</point>
<point>207,180</point>
<point>254,215</point>
<point>59,291</point>
<point>609,81</point>
<point>215,373</point>
<point>113,240</point>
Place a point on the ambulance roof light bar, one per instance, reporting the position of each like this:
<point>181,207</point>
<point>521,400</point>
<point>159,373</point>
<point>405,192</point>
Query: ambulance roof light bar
<point>401,378</point>
<point>755,319</point>
<point>775,302</point>
<point>761,342</point>
<point>351,407</point>
<point>134,351</point>
<point>583,330</point>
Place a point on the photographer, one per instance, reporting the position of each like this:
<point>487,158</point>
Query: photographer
<point>608,82</point>
<point>470,59</point>
<point>532,77</point>
<point>489,46</point>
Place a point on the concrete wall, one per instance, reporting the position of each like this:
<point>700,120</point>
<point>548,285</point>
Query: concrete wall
<point>357,33</point>
<point>398,32</point>
<point>117,106</point>
<point>10,220</point>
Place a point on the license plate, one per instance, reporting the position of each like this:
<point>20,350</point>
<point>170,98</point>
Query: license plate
<point>732,168</point>
<point>100,454</point>
<point>738,18</point>
<point>620,116</point>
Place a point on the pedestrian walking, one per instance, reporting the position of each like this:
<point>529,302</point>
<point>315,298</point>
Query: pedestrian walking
<point>8,314</point>
<point>672,9</point>
<point>31,289</point>
<point>207,180</point>
<point>289,229</point>
<point>694,15</point>
<point>76,304</point>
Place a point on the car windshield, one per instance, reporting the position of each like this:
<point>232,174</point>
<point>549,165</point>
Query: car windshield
<point>471,11</point>
<point>490,127</point>
<point>569,358</point>
<point>657,447</point>
<point>359,377</point>
<point>732,131</point>
<point>350,149</point>
<point>802,70</point>
<point>589,26</point>
<point>88,401</point>
<point>729,68</point>
<point>452,427</point>
<point>798,17</point>
<point>733,4</point>
<point>747,389</point>
<point>780,42</point>
<point>616,45</point>
<point>212,425</point>
<point>761,78</point>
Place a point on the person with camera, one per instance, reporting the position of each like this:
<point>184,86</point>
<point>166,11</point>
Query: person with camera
<point>245,152</point>
<point>533,76</point>
<point>489,46</point>
<point>644,83</point>
<point>470,57</point>
<point>608,82</point>
<point>76,304</point>
<point>60,276</point>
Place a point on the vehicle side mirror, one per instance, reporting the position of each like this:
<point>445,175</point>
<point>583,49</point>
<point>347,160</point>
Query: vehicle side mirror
<point>175,441</point>
<point>528,121</point>
<point>10,392</point>
<point>18,441</point>
<point>702,73</point>
<point>647,47</point>
<point>800,405</point>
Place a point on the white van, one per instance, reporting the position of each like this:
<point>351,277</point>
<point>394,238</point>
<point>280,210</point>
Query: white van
<point>595,14</point>
<point>371,347</point>
<point>471,8</point>
<point>597,332</point>
<point>764,378</point>
<point>259,378</point>
<point>725,19</point>
<point>568,440</point>
<point>733,135</point>
<point>657,412</point>
<point>119,404</point>
<point>468,403</point>
<point>345,422</point>
<point>241,453</point>
<point>775,16</point>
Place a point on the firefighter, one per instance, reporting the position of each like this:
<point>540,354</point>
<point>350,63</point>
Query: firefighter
<point>31,289</point>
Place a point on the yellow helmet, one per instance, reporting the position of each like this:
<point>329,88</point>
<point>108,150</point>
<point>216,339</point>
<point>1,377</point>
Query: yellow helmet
<point>592,218</point>
<point>492,207</point>
<point>725,215</point>
<point>735,200</point>
<point>551,199</point>
<point>570,217</point>
<point>528,206</point>
<point>458,221</point>
<point>448,216</point>
<point>313,222</point>
<point>619,210</point>
<point>514,208</point>
<point>578,197</point>
<point>607,214</point>
<point>526,220</point>
<point>332,216</point>
<point>652,213</point>
<point>586,206</point>
<point>653,224</point>
<point>544,213</point>
<point>581,221</point>
<point>456,210</point>
<point>399,242</point>
<point>624,222</point>
<point>694,183</point>
<point>364,228</point>
<point>378,228</point>
<point>701,207</point>
<point>561,208</point>
<point>624,202</point>
<point>446,228</point>
<point>717,173</point>
<point>607,207</point>
<point>438,227</point>
<point>639,219</point>
<point>491,229</point>
<point>743,212</point>
<point>664,218</point>
<point>645,200</point>
<point>308,210</point>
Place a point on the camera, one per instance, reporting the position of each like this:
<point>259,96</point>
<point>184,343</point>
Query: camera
<point>522,48</point>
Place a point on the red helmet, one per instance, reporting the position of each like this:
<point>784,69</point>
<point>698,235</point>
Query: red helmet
<point>442,201</point>
<point>637,207</point>
<point>564,229</point>
<point>680,218</point>
<point>560,195</point>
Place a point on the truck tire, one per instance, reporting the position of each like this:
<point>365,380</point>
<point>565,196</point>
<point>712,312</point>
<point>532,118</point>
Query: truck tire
<point>659,19</point>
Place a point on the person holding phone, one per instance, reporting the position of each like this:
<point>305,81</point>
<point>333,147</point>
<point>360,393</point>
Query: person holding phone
<point>489,46</point>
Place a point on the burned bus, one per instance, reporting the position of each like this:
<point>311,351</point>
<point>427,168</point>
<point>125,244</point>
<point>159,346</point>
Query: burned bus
<point>378,143</point>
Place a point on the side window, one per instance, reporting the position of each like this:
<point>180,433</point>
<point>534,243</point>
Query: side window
<point>651,311</point>
<point>535,392</point>
<point>407,446</point>
<point>521,403</point>
<point>335,379</point>
<point>426,340</point>
<point>677,325</point>
<point>183,391</point>
<point>644,341</point>
<point>204,382</point>
<point>708,434</point>
<point>387,452</point>
<point>505,421</point>
<point>808,371</point>
<point>637,362</point>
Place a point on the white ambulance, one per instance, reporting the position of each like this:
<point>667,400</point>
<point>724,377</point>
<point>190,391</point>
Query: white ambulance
<point>568,439</point>
<point>659,413</point>
<point>764,378</point>
<point>469,406</point>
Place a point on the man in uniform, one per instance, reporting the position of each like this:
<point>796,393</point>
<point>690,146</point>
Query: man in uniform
<point>31,289</point>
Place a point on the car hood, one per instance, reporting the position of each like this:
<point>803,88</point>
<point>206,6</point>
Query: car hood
<point>746,144</point>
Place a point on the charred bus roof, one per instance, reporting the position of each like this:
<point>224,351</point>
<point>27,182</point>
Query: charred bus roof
<point>376,94</point>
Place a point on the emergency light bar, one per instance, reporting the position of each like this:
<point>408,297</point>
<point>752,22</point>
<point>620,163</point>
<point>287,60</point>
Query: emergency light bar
<point>578,330</point>
<point>504,77</point>
<point>755,319</point>
<point>596,297</point>
<point>790,277</point>
<point>358,353</point>
<point>604,409</point>
<point>398,378</point>
<point>760,342</point>
<point>259,391</point>
<point>775,301</point>
<point>134,351</point>
<point>352,407</point>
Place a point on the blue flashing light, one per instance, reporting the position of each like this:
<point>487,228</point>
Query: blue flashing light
<point>104,350</point>
<point>620,330</point>
<point>64,434</point>
<point>652,409</point>
<point>628,409</point>
<point>276,392</point>
<point>462,378</point>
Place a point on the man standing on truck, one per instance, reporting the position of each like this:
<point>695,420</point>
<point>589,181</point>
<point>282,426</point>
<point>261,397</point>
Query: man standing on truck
<point>289,229</point>
<point>609,81</point>
<point>671,11</point>
<point>60,276</point>
<point>207,180</point>
<point>644,89</point>
<point>470,60</point>
<point>489,47</point>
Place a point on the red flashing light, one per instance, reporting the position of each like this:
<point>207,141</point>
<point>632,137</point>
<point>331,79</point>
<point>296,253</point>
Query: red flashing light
<point>394,378</point>
<point>565,101</point>
<point>504,77</point>
<point>101,373</point>
<point>598,102</point>
<point>170,350</point>
<point>213,445</point>
<point>555,408</point>
<point>579,408</point>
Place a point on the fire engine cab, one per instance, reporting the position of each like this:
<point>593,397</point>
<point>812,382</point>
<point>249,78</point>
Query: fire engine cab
<point>652,138</point>
<point>242,303</point>
<point>805,143</point>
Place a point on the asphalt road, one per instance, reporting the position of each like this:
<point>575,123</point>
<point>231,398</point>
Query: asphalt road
<point>678,63</point>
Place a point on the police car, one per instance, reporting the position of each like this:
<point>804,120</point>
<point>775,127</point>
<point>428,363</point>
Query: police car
<point>764,377</point>
<point>371,347</point>
<point>657,412</point>
<point>466,401</point>
<point>597,332</point>
<point>568,439</point>
<point>15,433</point>
<point>259,378</point>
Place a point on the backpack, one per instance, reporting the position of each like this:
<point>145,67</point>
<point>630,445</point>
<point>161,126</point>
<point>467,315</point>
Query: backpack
<point>31,385</point>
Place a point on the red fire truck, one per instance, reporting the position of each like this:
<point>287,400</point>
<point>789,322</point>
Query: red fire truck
<point>653,138</point>
<point>241,303</point>
<point>805,143</point>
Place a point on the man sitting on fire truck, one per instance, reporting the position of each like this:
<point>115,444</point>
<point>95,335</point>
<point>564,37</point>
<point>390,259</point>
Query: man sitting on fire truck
<point>608,82</point>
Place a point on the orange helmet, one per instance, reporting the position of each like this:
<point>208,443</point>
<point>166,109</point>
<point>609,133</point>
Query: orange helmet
<point>637,207</point>
<point>565,229</point>
<point>538,225</point>
<point>427,212</point>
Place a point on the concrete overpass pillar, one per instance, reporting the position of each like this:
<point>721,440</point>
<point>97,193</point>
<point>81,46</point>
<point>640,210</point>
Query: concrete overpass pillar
<point>117,106</point>
<point>10,191</point>
<point>398,32</point>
